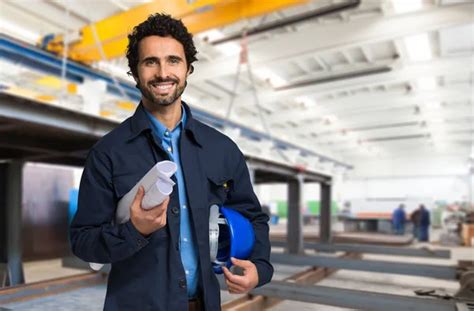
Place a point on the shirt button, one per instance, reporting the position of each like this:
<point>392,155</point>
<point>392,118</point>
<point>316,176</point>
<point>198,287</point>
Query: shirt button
<point>175,210</point>
<point>167,133</point>
<point>139,242</point>
<point>169,149</point>
<point>184,206</point>
<point>182,283</point>
<point>185,239</point>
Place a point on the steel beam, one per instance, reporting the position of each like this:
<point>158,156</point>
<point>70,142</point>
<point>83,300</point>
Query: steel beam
<point>13,204</point>
<point>325,213</point>
<point>29,111</point>
<point>374,249</point>
<point>348,298</point>
<point>295,219</point>
<point>432,271</point>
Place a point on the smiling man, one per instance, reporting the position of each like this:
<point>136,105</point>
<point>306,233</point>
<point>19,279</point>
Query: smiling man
<point>161,257</point>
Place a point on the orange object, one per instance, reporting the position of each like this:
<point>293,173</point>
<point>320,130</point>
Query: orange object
<point>468,234</point>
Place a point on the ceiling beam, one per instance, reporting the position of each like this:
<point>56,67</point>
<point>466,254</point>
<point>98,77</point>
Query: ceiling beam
<point>433,68</point>
<point>343,36</point>
<point>368,103</point>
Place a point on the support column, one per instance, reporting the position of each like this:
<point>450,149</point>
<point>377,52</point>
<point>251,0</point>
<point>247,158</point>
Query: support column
<point>325,213</point>
<point>11,209</point>
<point>295,219</point>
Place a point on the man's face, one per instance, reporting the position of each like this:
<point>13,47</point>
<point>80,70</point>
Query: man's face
<point>162,70</point>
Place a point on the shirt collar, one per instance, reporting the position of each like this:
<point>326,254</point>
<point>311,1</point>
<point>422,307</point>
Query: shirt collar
<point>160,129</point>
<point>140,122</point>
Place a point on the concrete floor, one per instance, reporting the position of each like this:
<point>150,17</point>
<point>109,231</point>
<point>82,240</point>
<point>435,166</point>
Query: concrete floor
<point>92,298</point>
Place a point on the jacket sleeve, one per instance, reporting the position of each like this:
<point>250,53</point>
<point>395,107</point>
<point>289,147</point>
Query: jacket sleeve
<point>93,236</point>
<point>243,199</point>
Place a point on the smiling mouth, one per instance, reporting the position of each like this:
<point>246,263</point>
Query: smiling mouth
<point>162,87</point>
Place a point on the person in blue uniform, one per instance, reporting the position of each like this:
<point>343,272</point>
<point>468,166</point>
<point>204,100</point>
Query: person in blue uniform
<point>160,257</point>
<point>399,219</point>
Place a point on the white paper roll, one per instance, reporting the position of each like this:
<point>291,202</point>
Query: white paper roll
<point>159,174</point>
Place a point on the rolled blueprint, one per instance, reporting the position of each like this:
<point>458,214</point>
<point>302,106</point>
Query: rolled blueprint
<point>158,186</point>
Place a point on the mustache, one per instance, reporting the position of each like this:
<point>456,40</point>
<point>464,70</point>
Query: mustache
<point>163,80</point>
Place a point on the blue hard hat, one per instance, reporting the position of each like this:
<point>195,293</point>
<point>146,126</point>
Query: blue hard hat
<point>230,235</point>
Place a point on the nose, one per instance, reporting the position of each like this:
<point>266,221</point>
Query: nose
<point>161,72</point>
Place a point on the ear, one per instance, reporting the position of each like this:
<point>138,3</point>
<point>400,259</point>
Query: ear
<point>190,70</point>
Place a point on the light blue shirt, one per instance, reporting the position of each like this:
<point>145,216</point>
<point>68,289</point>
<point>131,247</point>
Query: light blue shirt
<point>187,245</point>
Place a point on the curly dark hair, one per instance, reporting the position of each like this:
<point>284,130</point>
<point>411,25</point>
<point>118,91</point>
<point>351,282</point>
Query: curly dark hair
<point>162,25</point>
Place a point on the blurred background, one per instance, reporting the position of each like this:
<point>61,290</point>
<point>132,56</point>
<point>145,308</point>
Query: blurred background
<point>351,114</point>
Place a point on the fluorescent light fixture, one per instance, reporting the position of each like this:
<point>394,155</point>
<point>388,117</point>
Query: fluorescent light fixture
<point>228,49</point>
<point>268,75</point>
<point>436,120</point>
<point>17,31</point>
<point>433,115</point>
<point>330,119</point>
<point>306,101</point>
<point>404,6</point>
<point>426,84</point>
<point>211,35</point>
<point>418,47</point>
<point>433,106</point>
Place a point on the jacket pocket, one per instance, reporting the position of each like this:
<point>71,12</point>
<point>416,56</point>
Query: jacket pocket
<point>219,188</point>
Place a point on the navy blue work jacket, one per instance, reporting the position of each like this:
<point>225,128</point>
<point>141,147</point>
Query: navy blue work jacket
<point>147,273</point>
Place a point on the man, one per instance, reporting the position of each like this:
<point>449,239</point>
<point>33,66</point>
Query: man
<point>398,219</point>
<point>160,257</point>
<point>415,219</point>
<point>424,224</point>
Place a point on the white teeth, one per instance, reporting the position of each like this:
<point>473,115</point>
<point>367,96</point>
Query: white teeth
<point>162,86</point>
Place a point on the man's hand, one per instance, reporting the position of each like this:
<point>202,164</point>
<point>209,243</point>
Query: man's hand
<point>240,284</point>
<point>147,221</point>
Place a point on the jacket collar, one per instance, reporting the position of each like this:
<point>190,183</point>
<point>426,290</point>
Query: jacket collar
<point>140,123</point>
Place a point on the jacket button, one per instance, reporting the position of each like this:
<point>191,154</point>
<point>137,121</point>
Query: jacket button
<point>182,283</point>
<point>175,210</point>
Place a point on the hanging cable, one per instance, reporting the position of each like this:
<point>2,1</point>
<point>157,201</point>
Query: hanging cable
<point>63,90</point>
<point>104,58</point>
<point>244,59</point>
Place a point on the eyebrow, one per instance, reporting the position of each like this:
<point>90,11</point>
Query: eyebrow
<point>156,59</point>
<point>175,57</point>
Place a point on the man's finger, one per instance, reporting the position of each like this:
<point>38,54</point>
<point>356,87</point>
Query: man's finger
<point>234,278</point>
<point>233,289</point>
<point>235,286</point>
<point>241,263</point>
<point>158,210</point>
<point>137,201</point>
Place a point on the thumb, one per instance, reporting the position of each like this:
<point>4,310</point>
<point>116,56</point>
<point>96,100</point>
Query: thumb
<point>139,196</point>
<point>240,263</point>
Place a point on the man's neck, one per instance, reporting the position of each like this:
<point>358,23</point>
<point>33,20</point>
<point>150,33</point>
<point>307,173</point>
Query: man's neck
<point>169,115</point>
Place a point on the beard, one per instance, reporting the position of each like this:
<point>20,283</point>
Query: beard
<point>162,100</point>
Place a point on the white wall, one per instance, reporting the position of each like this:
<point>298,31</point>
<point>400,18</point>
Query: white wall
<point>384,182</point>
<point>410,166</point>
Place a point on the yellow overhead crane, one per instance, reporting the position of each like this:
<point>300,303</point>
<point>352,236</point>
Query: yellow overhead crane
<point>197,15</point>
